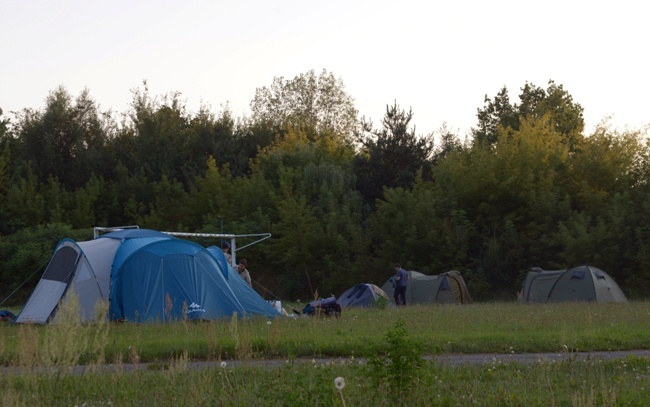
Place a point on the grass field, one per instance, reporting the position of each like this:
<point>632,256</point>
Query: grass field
<point>390,340</point>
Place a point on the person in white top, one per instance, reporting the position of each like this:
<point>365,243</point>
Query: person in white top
<point>243,272</point>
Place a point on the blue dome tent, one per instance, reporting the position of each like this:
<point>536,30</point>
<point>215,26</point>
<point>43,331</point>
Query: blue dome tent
<point>147,276</point>
<point>362,295</point>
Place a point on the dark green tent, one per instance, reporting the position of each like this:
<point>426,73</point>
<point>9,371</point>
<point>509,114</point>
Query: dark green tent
<point>538,284</point>
<point>445,288</point>
<point>582,283</point>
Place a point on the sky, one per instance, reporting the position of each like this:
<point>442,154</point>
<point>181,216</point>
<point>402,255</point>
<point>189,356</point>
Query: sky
<point>440,60</point>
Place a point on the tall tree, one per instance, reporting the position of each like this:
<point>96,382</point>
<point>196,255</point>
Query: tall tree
<point>391,156</point>
<point>449,142</point>
<point>66,140</point>
<point>4,125</point>
<point>158,128</point>
<point>314,209</point>
<point>554,103</point>
<point>495,113</point>
<point>307,102</point>
<point>515,195</point>
<point>414,228</point>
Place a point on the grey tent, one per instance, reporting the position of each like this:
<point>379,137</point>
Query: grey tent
<point>362,295</point>
<point>445,288</point>
<point>538,284</point>
<point>582,283</point>
<point>84,266</point>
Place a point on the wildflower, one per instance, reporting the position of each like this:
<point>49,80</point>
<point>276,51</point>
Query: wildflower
<point>225,372</point>
<point>268,322</point>
<point>339,382</point>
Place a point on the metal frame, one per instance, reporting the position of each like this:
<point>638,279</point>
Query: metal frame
<point>233,238</point>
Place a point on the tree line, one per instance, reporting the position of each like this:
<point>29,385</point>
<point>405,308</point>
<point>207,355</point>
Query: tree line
<point>343,198</point>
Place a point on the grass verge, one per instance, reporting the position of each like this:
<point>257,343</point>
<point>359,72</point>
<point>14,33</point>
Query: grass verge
<point>390,339</point>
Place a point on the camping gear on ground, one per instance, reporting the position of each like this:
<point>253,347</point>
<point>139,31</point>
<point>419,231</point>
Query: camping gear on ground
<point>295,311</point>
<point>146,276</point>
<point>7,316</point>
<point>445,288</point>
<point>362,295</point>
<point>323,306</point>
<point>278,307</point>
<point>582,283</point>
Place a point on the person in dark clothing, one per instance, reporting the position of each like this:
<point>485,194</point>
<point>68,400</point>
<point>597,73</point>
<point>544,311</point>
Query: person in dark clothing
<point>400,281</point>
<point>225,247</point>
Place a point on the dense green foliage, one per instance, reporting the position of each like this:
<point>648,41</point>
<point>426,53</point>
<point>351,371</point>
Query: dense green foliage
<point>343,200</point>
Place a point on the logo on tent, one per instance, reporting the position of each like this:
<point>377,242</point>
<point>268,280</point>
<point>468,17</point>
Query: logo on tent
<point>194,307</point>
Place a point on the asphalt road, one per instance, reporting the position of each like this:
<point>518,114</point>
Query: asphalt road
<point>448,359</point>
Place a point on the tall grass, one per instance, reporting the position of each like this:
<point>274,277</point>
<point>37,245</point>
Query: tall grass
<point>477,328</point>
<point>573,383</point>
<point>42,359</point>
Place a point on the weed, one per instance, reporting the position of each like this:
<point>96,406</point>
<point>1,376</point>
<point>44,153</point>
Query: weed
<point>66,338</point>
<point>242,338</point>
<point>274,336</point>
<point>29,352</point>
<point>381,303</point>
<point>399,367</point>
<point>212,339</point>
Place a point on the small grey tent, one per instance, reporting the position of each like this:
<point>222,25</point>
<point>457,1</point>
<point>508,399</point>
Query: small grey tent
<point>538,285</point>
<point>582,283</point>
<point>362,295</point>
<point>445,288</point>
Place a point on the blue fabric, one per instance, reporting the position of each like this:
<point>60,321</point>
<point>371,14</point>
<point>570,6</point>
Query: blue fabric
<point>403,278</point>
<point>221,260</point>
<point>327,305</point>
<point>252,302</point>
<point>166,279</point>
<point>400,295</point>
<point>579,274</point>
<point>444,285</point>
<point>361,295</point>
<point>7,316</point>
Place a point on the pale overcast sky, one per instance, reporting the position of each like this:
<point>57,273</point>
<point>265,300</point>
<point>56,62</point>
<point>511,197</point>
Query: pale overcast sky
<point>438,59</point>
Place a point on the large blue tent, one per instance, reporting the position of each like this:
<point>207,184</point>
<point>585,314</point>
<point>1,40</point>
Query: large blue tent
<point>146,276</point>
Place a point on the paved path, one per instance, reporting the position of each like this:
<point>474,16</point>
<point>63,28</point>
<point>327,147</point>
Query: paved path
<point>448,359</point>
<point>529,358</point>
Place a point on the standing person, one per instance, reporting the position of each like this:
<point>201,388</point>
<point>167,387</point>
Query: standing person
<point>225,248</point>
<point>400,281</point>
<point>243,272</point>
